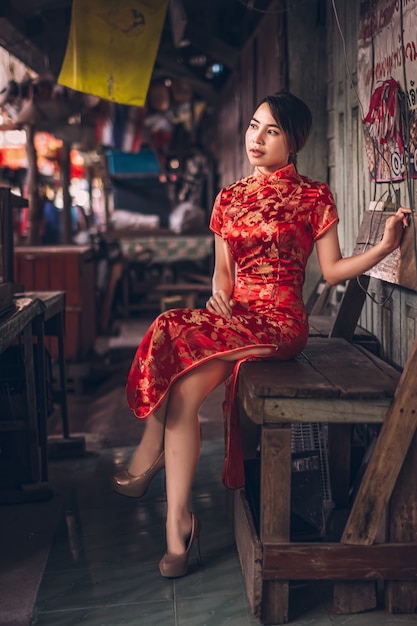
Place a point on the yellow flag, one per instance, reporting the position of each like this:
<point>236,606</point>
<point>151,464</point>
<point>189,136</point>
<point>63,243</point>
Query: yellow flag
<point>112,47</point>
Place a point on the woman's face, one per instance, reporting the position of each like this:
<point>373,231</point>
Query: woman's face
<point>266,144</point>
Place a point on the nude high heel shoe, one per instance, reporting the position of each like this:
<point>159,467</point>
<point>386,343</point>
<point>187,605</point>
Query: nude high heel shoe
<point>176,565</point>
<point>136,486</point>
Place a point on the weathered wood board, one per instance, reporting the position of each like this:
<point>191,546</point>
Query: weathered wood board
<point>399,267</point>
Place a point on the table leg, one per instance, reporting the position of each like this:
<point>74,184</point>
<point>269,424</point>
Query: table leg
<point>275,514</point>
<point>32,408</point>
<point>38,331</point>
<point>62,374</point>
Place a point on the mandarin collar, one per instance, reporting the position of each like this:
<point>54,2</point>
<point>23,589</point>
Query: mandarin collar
<point>288,172</point>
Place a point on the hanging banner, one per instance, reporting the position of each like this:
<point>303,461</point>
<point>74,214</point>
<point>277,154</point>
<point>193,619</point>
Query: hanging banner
<point>381,51</point>
<point>112,48</point>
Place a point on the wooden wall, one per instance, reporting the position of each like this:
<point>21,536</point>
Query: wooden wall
<point>392,318</point>
<point>303,51</point>
<point>262,70</point>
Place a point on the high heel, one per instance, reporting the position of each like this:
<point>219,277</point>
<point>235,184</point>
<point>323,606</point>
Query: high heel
<point>176,565</point>
<point>137,486</point>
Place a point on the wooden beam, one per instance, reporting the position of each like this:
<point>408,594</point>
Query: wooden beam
<point>335,561</point>
<point>386,461</point>
<point>350,308</point>
<point>13,39</point>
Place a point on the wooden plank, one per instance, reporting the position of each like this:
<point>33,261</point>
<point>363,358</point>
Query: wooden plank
<point>275,494</point>
<point>350,308</point>
<point>285,379</point>
<point>253,407</point>
<point>249,550</point>
<point>327,368</point>
<point>401,597</point>
<point>335,561</point>
<point>275,508</point>
<point>354,597</point>
<point>333,410</point>
<point>388,369</point>
<point>399,266</point>
<point>386,461</point>
<point>275,605</point>
<point>349,369</point>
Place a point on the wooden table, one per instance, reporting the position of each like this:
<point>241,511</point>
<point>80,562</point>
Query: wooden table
<point>37,314</point>
<point>50,322</point>
<point>12,327</point>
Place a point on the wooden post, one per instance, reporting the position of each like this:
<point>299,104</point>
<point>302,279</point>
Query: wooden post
<point>35,203</point>
<point>275,514</point>
<point>90,217</point>
<point>66,181</point>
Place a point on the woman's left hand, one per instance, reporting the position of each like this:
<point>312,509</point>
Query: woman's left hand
<point>394,227</point>
<point>220,303</point>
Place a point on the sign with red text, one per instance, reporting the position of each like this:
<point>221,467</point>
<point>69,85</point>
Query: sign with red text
<point>387,49</point>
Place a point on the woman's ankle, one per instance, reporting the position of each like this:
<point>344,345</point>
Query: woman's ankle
<point>177,531</point>
<point>143,459</point>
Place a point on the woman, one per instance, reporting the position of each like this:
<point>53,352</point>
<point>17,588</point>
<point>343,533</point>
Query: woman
<point>265,226</point>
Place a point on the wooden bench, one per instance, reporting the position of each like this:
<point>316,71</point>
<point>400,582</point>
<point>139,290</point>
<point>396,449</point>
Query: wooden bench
<point>337,383</point>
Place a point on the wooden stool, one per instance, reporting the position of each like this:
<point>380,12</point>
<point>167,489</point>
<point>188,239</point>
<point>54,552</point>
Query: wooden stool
<point>339,384</point>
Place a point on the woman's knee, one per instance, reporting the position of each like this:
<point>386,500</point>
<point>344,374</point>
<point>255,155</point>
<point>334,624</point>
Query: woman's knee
<point>194,386</point>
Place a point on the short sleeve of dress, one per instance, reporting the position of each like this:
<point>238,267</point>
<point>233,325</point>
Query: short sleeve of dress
<point>216,220</point>
<point>325,212</point>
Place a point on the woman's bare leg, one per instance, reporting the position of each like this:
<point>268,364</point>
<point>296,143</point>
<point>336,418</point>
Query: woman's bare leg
<point>151,443</point>
<point>182,444</point>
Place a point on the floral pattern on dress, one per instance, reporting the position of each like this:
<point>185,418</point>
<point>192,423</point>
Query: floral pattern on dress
<point>270,224</point>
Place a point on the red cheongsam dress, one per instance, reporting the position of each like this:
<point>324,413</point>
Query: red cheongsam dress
<point>270,224</point>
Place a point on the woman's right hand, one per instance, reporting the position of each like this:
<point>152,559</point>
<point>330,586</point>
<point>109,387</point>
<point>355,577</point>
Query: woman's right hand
<point>394,227</point>
<point>220,303</point>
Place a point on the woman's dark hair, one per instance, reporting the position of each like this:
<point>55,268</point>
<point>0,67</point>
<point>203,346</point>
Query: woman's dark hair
<point>293,117</point>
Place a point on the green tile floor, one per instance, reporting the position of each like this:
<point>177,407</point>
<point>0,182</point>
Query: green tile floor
<point>90,556</point>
